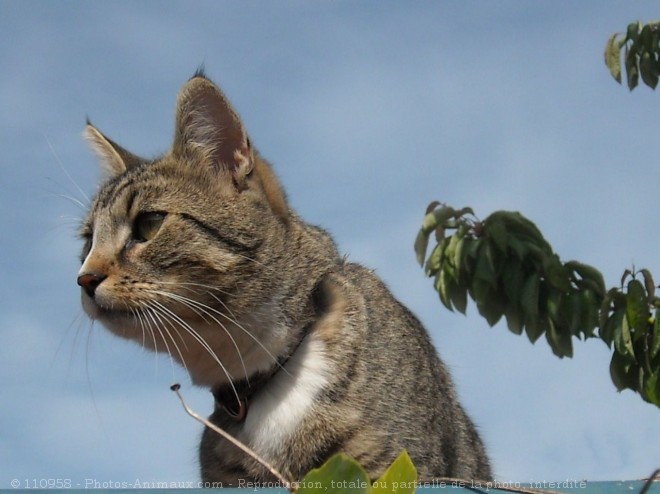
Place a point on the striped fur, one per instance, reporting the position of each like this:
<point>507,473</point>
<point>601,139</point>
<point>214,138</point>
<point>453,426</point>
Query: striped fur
<point>197,254</point>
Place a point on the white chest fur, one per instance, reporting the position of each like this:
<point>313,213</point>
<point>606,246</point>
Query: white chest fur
<point>280,408</point>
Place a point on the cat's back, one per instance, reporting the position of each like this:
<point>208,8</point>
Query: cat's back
<point>407,399</point>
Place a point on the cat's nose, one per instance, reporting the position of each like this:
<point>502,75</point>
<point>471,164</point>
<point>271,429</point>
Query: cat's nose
<point>90,281</point>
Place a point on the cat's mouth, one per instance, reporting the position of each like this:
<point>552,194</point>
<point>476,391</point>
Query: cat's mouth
<point>194,338</point>
<point>102,313</point>
<point>127,322</point>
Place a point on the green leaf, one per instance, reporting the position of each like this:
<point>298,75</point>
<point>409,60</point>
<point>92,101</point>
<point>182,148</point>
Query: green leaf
<point>589,313</point>
<point>479,290</point>
<point>625,276</point>
<point>432,220</point>
<point>573,310</point>
<point>640,380</point>
<point>519,248</point>
<point>491,310</point>
<point>471,249</point>
<point>432,205</point>
<point>605,307</point>
<point>484,269</point>
<point>464,211</point>
<point>560,341</point>
<point>519,226</point>
<point>457,260</point>
<point>651,389</point>
<point>443,285</point>
<point>637,309</point>
<point>435,259</point>
<point>556,274</point>
<point>468,250</point>
<point>649,284</point>
<point>648,70</point>
<point>529,300</point>
<point>622,372</point>
<point>512,280</point>
<point>421,244</point>
<point>440,233</point>
<point>552,307</point>
<point>632,32</point>
<point>534,329</point>
<point>437,217</point>
<point>655,345</point>
<point>514,320</point>
<point>339,475</point>
<point>587,272</point>
<point>646,38</point>
<point>458,298</point>
<point>399,478</point>
<point>495,229</point>
<point>613,57</point>
<point>493,260</point>
<point>450,255</point>
<point>623,340</point>
<point>489,302</point>
<point>580,311</point>
<point>613,326</point>
<point>632,72</point>
<point>463,257</point>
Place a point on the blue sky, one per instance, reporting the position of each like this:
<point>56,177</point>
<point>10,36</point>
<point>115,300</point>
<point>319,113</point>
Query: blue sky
<point>369,111</point>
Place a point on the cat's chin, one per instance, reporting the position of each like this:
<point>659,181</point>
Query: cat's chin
<point>111,319</point>
<point>90,307</point>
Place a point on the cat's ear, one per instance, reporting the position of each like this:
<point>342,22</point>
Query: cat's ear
<point>115,159</point>
<point>208,127</point>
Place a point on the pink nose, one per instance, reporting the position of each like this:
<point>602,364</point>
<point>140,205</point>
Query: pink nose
<point>90,281</point>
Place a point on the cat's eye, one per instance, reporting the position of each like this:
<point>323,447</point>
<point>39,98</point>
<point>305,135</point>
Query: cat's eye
<point>86,248</point>
<point>146,226</point>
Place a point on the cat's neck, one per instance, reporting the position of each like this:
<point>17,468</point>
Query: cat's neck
<point>254,342</point>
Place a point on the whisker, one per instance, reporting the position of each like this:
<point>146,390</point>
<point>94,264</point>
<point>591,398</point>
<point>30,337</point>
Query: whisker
<point>77,321</point>
<point>160,330</point>
<point>136,314</point>
<point>68,220</point>
<point>70,198</point>
<point>163,318</point>
<point>258,263</point>
<point>146,327</point>
<point>153,313</point>
<point>88,378</point>
<point>234,320</point>
<point>199,340</point>
<point>194,306</point>
<point>190,303</point>
<point>185,285</point>
<point>64,170</point>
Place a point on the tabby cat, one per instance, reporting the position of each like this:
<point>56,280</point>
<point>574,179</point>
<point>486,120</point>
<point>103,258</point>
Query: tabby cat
<point>198,254</point>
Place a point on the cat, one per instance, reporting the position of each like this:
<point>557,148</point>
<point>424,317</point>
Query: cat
<point>197,254</point>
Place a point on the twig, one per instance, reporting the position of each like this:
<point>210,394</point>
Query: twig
<point>647,485</point>
<point>231,439</point>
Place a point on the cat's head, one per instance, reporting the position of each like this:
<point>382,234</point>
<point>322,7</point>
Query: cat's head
<point>183,253</point>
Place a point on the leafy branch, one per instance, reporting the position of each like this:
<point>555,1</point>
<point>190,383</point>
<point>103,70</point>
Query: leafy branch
<point>342,474</point>
<point>641,55</point>
<point>509,270</point>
